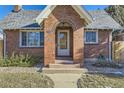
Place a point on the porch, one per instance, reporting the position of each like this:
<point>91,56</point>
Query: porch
<point>65,48</point>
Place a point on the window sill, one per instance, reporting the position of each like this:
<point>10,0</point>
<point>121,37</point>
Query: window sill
<point>31,46</point>
<point>92,43</point>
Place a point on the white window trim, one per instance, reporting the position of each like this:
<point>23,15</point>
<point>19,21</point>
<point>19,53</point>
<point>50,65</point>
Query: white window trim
<point>20,39</point>
<point>97,40</point>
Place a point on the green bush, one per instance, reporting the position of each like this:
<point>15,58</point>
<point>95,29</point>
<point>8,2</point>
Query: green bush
<point>19,60</point>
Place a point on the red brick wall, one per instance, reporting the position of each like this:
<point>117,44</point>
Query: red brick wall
<point>63,14</point>
<point>12,45</point>
<point>93,50</point>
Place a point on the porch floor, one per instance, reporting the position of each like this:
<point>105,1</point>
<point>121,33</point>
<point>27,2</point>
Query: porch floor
<point>64,60</point>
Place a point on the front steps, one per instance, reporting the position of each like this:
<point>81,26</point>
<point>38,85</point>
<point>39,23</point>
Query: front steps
<point>64,65</point>
<point>63,70</point>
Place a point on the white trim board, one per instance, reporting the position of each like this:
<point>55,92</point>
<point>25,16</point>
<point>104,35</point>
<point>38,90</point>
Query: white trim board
<point>47,11</point>
<point>97,37</point>
<point>20,39</point>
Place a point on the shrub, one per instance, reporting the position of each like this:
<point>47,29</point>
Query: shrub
<point>19,60</point>
<point>100,81</point>
<point>25,80</point>
<point>102,62</point>
<point>107,64</point>
<point>101,58</point>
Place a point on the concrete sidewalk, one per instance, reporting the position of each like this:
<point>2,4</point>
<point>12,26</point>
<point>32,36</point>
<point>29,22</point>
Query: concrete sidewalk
<point>66,80</point>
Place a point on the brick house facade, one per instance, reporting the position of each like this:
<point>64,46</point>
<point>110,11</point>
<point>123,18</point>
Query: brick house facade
<point>69,31</point>
<point>57,16</point>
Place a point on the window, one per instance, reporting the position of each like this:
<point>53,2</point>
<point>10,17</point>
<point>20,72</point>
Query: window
<point>32,39</point>
<point>91,37</point>
<point>63,40</point>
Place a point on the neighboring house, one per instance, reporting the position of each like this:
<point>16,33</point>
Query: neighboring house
<point>59,32</point>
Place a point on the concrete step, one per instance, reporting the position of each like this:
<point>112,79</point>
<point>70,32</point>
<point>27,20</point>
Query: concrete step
<point>64,65</point>
<point>64,61</point>
<point>63,70</point>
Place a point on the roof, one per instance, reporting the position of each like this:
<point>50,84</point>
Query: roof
<point>20,20</point>
<point>25,19</point>
<point>80,10</point>
<point>102,20</point>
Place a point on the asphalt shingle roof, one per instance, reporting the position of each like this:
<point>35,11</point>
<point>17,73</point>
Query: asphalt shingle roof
<point>25,19</point>
<point>102,20</point>
<point>22,19</point>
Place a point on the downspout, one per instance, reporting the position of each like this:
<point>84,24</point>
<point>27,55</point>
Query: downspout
<point>4,38</point>
<point>110,46</point>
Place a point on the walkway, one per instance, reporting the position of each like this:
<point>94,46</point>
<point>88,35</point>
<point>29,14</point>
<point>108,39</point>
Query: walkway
<point>66,80</point>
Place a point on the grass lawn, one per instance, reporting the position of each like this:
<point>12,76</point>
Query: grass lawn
<point>25,80</point>
<point>100,81</point>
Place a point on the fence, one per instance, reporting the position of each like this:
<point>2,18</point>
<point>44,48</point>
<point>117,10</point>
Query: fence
<point>118,51</point>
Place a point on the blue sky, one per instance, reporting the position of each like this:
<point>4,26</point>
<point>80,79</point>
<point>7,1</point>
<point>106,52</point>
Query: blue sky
<point>5,9</point>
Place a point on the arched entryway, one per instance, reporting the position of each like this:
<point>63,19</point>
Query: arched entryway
<point>64,41</point>
<point>68,20</point>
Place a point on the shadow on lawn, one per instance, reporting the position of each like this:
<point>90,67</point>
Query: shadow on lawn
<point>101,77</point>
<point>100,80</point>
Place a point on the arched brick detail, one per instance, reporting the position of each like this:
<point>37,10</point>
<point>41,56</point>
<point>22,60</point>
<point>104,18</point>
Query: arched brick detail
<point>63,14</point>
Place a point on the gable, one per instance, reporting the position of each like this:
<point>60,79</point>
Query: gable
<point>48,10</point>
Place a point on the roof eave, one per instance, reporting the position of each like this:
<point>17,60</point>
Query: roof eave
<point>83,13</point>
<point>44,14</point>
<point>101,28</point>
